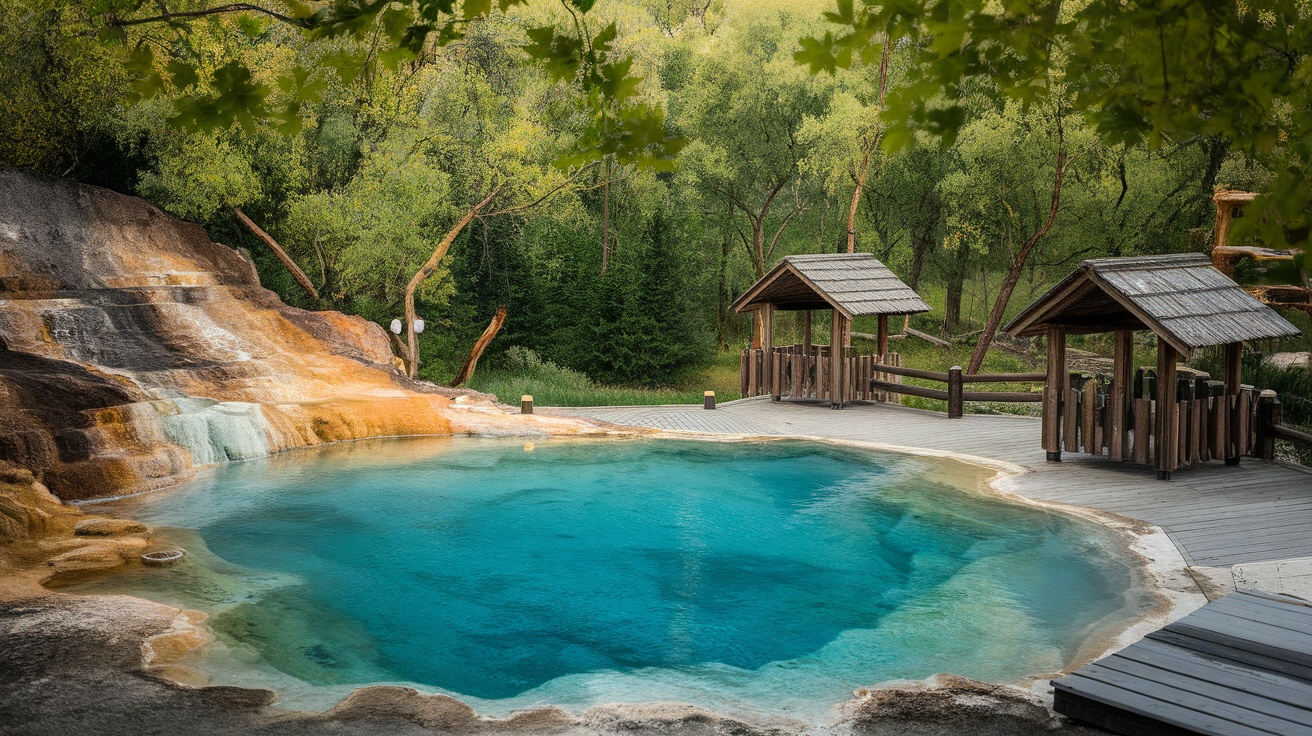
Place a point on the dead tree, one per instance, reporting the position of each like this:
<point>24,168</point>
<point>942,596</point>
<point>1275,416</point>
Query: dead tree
<point>467,370</point>
<point>287,261</point>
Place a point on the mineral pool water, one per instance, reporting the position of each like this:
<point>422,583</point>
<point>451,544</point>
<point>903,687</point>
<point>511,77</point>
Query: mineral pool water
<point>761,578</point>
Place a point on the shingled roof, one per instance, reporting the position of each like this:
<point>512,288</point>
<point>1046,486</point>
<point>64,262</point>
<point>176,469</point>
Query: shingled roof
<point>1180,297</point>
<point>853,283</point>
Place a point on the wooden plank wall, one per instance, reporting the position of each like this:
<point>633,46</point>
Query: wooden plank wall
<point>790,371</point>
<point>1207,424</point>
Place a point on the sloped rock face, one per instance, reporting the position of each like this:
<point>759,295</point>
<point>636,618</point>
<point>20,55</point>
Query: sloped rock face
<point>133,349</point>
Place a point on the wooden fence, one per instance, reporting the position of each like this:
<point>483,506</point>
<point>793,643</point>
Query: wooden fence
<point>1269,428</point>
<point>955,394</point>
<point>789,371</point>
<point>1205,423</point>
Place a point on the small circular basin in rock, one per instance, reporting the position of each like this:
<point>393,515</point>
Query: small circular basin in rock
<point>163,558</point>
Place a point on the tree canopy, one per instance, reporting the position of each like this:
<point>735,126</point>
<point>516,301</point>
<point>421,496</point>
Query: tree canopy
<point>648,160</point>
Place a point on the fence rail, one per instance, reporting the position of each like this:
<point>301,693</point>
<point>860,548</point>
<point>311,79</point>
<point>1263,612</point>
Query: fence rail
<point>1269,429</point>
<point>1282,432</point>
<point>955,394</point>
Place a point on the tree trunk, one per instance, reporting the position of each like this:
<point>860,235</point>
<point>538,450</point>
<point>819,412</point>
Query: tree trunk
<point>955,287</point>
<point>758,263</point>
<point>287,261</point>
<point>920,245</point>
<point>411,338</point>
<point>868,149</point>
<point>722,315</point>
<point>1018,263</point>
<point>758,245</point>
<point>856,194</point>
<point>605,219</point>
<point>467,370</point>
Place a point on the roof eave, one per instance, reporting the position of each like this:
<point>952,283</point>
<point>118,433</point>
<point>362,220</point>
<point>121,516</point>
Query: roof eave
<point>744,302</point>
<point>1031,314</point>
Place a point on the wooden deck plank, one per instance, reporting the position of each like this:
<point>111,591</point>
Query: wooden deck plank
<point>1254,707</point>
<point>1196,714</point>
<point>1238,664</point>
<point>1223,651</point>
<point>1267,684</point>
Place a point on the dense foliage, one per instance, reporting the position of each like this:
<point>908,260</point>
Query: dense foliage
<point>654,157</point>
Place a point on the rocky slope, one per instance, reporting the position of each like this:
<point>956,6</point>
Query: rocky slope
<point>133,349</point>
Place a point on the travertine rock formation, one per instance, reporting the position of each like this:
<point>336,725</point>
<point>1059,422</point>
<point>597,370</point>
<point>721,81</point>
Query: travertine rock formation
<point>133,349</point>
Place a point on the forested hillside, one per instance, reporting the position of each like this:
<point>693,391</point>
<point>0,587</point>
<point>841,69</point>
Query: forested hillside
<point>620,265</point>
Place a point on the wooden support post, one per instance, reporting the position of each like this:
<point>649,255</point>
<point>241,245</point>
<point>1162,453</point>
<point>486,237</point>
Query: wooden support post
<point>954,392</point>
<point>1070,428</point>
<point>1143,430</point>
<point>1243,425</point>
<point>806,332</point>
<point>1168,423</point>
<point>821,379</point>
<point>744,367</point>
<point>1118,444</point>
<point>776,374</point>
<point>708,400</point>
<point>767,344</point>
<point>526,404</point>
<point>797,373</point>
<point>1088,417</point>
<point>837,354</point>
<point>1053,392</point>
<point>1232,374</point>
<point>1268,415</point>
<point>881,335</point>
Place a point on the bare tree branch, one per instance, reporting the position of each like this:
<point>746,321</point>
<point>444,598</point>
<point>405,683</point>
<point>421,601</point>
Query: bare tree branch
<point>113,20</point>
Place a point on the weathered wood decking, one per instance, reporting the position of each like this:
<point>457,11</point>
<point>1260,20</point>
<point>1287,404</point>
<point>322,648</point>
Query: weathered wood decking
<point>1239,666</point>
<point>1216,515</point>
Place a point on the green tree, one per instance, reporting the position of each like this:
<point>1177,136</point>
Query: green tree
<point>743,110</point>
<point>1161,72</point>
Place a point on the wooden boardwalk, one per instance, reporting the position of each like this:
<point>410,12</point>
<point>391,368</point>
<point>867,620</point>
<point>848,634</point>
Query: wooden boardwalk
<point>1217,516</point>
<point>1239,666</point>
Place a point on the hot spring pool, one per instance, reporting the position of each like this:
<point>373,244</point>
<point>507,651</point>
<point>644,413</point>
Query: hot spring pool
<point>765,578</point>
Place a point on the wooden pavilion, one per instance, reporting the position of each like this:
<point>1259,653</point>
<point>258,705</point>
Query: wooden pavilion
<point>849,285</point>
<point>1144,417</point>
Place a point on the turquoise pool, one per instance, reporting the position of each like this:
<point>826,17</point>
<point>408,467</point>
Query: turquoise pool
<point>769,578</point>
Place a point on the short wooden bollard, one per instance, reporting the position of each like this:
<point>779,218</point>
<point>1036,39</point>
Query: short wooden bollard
<point>708,401</point>
<point>526,404</point>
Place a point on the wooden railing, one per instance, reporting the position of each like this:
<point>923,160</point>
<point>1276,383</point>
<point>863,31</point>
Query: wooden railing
<point>1205,423</point>
<point>955,394</point>
<point>789,371</point>
<point>1269,428</point>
